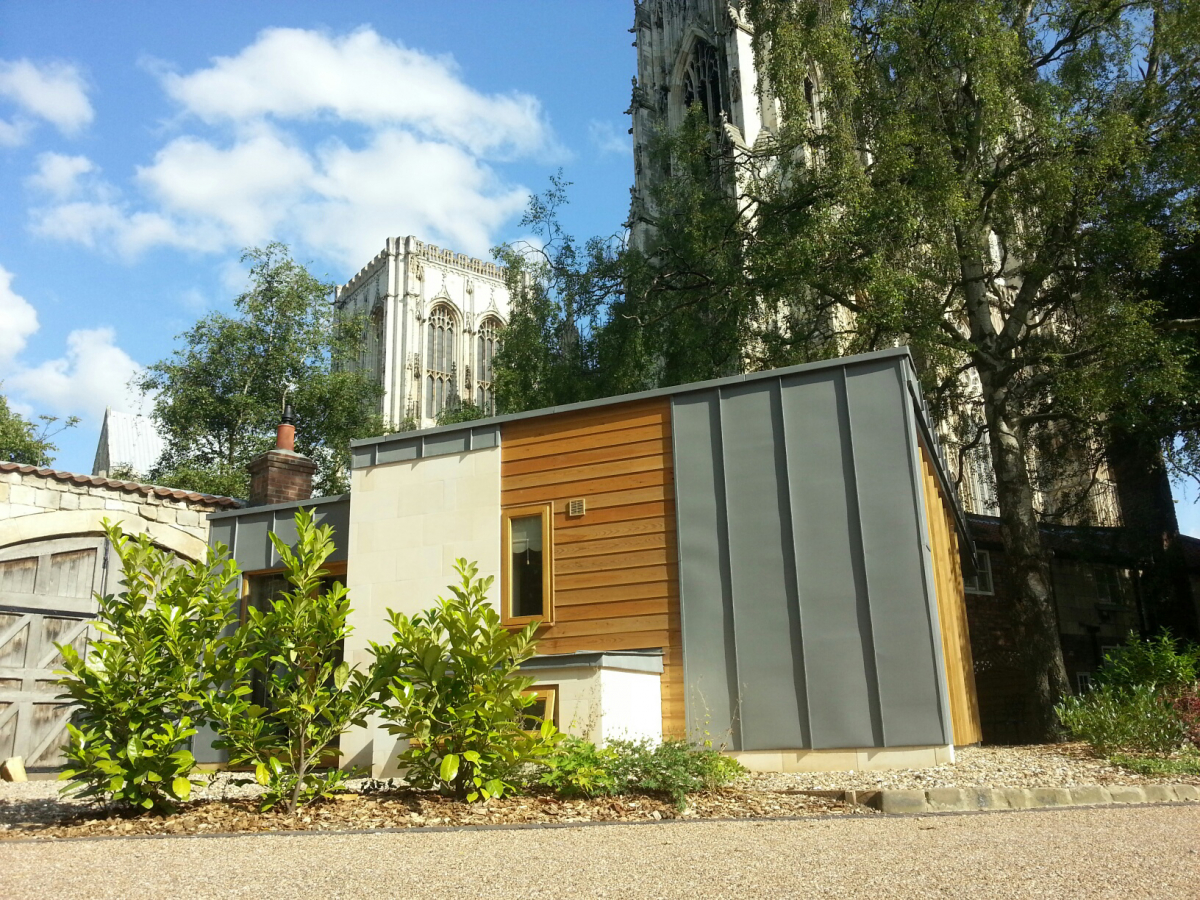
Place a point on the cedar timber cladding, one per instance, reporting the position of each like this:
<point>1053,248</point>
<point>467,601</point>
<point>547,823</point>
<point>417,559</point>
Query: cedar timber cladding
<point>952,608</point>
<point>615,569</point>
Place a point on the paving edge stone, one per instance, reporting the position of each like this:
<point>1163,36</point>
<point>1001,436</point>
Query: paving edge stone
<point>910,802</point>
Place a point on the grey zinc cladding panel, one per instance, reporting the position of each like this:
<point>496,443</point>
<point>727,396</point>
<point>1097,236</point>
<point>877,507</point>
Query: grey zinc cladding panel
<point>245,531</point>
<point>442,441</point>
<point>893,550</point>
<point>803,487</point>
<point>710,666</point>
<point>843,693</point>
<point>766,613</point>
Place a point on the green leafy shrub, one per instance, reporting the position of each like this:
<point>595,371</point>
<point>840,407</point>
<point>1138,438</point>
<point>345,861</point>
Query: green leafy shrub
<point>1109,718</point>
<point>310,695</point>
<point>139,687</point>
<point>1182,765</point>
<point>1153,661</point>
<point>579,768</point>
<point>456,694</point>
<point>673,767</point>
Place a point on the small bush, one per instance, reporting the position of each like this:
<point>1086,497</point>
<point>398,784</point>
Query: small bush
<point>457,695</point>
<point>579,768</point>
<point>139,687</point>
<point>1153,661</point>
<point>1113,718</point>
<point>1185,764</point>
<point>294,648</point>
<point>1187,707</point>
<point>673,767</point>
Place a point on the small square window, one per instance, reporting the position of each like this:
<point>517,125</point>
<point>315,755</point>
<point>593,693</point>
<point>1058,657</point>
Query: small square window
<point>1083,682</point>
<point>543,708</point>
<point>526,559</point>
<point>981,581</point>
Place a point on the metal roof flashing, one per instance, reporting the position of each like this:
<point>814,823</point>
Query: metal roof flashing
<point>290,504</point>
<point>463,437</point>
<point>650,661</point>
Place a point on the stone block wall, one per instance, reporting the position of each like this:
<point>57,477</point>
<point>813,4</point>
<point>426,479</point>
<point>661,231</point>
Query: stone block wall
<point>37,504</point>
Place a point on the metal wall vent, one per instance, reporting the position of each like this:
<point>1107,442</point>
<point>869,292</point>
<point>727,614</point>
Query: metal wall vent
<point>575,507</point>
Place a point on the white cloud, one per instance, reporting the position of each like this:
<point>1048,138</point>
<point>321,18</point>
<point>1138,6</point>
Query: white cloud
<point>410,149</point>
<point>289,73</point>
<point>13,134</point>
<point>58,174</point>
<point>54,92</point>
<point>92,374</point>
<point>608,139</point>
<point>19,318</point>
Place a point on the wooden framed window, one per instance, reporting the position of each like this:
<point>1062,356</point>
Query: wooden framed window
<point>259,588</point>
<point>544,707</point>
<point>981,581</point>
<point>526,559</point>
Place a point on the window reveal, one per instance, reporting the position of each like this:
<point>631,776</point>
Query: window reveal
<point>527,599</point>
<point>544,708</point>
<point>526,561</point>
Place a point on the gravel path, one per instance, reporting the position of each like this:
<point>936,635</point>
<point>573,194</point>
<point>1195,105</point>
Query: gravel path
<point>1061,765</point>
<point>1081,853</point>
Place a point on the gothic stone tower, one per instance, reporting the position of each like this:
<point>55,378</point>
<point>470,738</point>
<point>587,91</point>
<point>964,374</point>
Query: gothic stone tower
<point>433,319</point>
<point>690,52</point>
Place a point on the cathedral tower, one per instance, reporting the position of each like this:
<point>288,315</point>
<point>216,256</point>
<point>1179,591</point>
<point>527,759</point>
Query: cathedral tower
<point>690,52</point>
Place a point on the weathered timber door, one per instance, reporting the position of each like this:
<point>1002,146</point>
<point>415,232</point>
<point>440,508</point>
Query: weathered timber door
<point>46,598</point>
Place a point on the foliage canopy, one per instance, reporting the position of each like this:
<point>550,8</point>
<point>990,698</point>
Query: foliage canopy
<point>219,397</point>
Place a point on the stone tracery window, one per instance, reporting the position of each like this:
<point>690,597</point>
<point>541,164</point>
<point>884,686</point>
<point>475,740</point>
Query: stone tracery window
<point>440,359</point>
<point>486,345</point>
<point>704,81</point>
<point>375,346</point>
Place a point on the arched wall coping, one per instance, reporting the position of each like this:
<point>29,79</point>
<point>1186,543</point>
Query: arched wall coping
<point>67,523</point>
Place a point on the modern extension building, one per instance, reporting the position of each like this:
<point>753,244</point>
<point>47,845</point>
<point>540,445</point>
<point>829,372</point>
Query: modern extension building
<point>773,561</point>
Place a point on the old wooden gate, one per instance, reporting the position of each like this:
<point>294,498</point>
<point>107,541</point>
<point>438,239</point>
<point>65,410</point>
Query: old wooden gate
<point>46,598</point>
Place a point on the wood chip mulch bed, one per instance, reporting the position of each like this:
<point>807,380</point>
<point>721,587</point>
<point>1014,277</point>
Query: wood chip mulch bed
<point>406,808</point>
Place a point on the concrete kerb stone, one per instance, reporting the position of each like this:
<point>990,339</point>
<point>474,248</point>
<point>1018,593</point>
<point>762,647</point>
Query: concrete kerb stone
<point>1093,795</point>
<point>903,802</point>
<point>909,802</point>
<point>1160,793</point>
<point>1187,791</point>
<point>1127,793</point>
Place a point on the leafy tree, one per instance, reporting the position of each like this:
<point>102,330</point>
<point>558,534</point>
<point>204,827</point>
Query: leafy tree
<point>139,687</point>
<point>456,694</point>
<point>980,191</point>
<point>292,650</point>
<point>458,411</point>
<point>560,292</point>
<point>23,442</point>
<point>218,398</point>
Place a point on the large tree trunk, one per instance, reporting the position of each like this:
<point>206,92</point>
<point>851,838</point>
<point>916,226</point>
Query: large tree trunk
<point>1033,593</point>
<point>1028,566</point>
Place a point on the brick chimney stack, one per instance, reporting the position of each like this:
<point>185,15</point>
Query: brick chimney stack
<point>282,474</point>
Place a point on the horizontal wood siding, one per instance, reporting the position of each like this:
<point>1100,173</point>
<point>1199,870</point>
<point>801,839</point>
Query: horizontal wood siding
<point>952,610</point>
<point>616,573</point>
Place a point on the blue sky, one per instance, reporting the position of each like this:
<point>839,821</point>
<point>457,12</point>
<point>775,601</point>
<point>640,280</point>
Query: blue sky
<point>142,145</point>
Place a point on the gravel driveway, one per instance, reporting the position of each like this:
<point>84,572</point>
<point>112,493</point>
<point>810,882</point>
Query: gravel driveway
<point>1078,853</point>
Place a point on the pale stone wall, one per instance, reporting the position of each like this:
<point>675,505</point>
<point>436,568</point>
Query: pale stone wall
<point>35,505</point>
<point>409,521</point>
